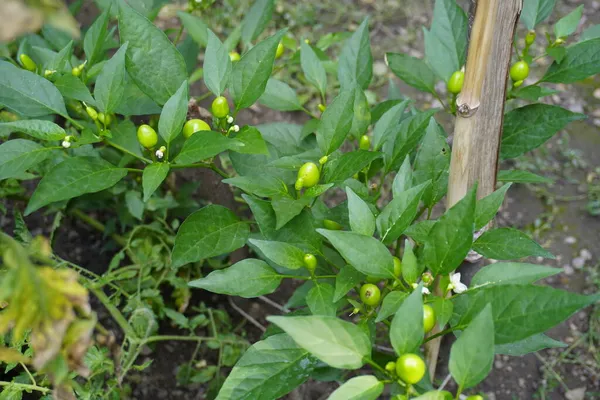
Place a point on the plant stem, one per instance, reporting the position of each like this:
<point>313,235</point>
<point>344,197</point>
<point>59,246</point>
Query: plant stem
<point>160,338</point>
<point>115,313</point>
<point>307,111</point>
<point>31,378</point>
<point>25,386</point>
<point>178,35</point>
<point>202,165</point>
<point>94,223</point>
<point>442,333</point>
<point>376,366</point>
<point>124,150</point>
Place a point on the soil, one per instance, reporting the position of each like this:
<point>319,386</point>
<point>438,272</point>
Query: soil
<point>554,214</point>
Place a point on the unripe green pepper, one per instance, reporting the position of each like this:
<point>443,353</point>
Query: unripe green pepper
<point>310,262</point>
<point>456,81</point>
<point>364,142</point>
<point>309,174</point>
<point>530,38</point>
<point>27,62</point>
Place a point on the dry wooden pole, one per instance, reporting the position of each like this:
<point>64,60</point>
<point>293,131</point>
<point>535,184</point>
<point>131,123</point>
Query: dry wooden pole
<point>480,106</point>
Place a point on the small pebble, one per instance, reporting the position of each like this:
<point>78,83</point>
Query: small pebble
<point>570,240</point>
<point>568,269</point>
<point>585,254</point>
<point>578,262</point>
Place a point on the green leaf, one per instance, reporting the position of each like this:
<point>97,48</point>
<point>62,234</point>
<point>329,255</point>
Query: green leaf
<point>567,25</point>
<point>403,179</point>
<point>288,366</point>
<point>361,113</point>
<point>581,61</point>
<point>532,92</point>
<point>451,237</point>
<point>136,102</point>
<point>71,87</point>
<point>337,343</point>
<point>203,145</point>
<point>356,62</point>
<point>366,254</point>
<point>125,136</point>
<point>346,279</point>
<point>508,244</point>
<point>446,42</point>
<point>174,114</point>
<point>72,178</point>
<point>195,27</point>
<point>443,308</point>
<point>486,208</point>
<point>320,300</point>
<point>528,345</point>
<point>280,96</point>
<point>419,231</point>
<point>348,164</point>
<point>313,68</point>
<point>38,129</point>
<point>109,88</point>
<point>536,11</point>
<point>260,185</point>
<point>472,355</point>
<point>251,74</point>
<point>280,253</point>
<point>390,305</point>
<point>252,140</point>
<point>217,65</point>
<point>414,71</point>
<point>506,273</point>
<point>28,94</point>
<point>387,124</point>
<point>248,278</point>
<point>405,138</point>
<point>592,32</point>
<point>411,268</point>
<point>435,395</point>
<point>364,387</point>
<point>60,62</point>
<point>152,61</point>
<point>95,38</point>
<point>399,213</point>
<point>18,155</point>
<point>519,310</point>
<point>256,19</point>
<point>134,204</point>
<point>336,122</point>
<point>211,231</point>
<point>432,163</point>
<point>360,215</point>
<point>528,127</point>
<point>152,177</point>
<point>286,208</point>
<point>517,176</point>
<point>406,330</point>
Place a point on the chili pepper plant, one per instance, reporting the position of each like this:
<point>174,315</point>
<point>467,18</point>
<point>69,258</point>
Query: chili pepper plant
<point>101,128</point>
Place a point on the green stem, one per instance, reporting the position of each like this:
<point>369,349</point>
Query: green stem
<point>25,386</point>
<point>204,96</point>
<point>94,223</point>
<point>442,333</point>
<point>178,35</point>
<point>307,111</point>
<point>211,166</point>
<point>115,313</point>
<point>124,150</point>
<point>160,338</point>
<point>137,170</point>
<point>31,378</point>
<point>72,121</point>
<point>376,366</point>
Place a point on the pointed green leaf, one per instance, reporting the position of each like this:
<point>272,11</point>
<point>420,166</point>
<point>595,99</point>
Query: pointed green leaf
<point>517,176</point>
<point>18,155</point>
<point>280,96</point>
<point>72,178</point>
<point>348,164</point>
<point>360,215</point>
<point>152,61</point>
<point>387,124</point>
<point>567,25</point>
<point>203,145</point>
<point>356,62</point>
<point>248,278</point>
<point>528,345</point>
<point>320,300</point>
<point>414,71</point>
<point>391,303</point>
<point>174,114</point>
<point>280,253</point>
<point>337,343</point>
<point>508,244</point>
<point>195,27</point>
<point>536,11</point>
<point>95,37</point>
<point>109,88</point>
<point>486,208</point>
<point>217,65</point>
<point>256,19</point>
<point>38,129</point>
<point>472,355</point>
<point>411,268</point>
<point>432,163</point>
<point>313,68</point>
<point>406,330</point>
<point>336,122</point>
<point>403,179</point>
<point>260,185</point>
<point>505,273</point>
<point>366,254</point>
<point>346,279</point>
<point>152,177</point>
<point>72,87</point>
<point>365,387</point>
<point>581,61</point>
<point>211,231</point>
<point>288,366</point>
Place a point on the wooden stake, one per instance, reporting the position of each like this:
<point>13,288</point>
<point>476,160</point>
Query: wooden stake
<point>480,106</point>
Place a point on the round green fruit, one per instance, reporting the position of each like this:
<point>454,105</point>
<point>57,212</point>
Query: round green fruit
<point>147,136</point>
<point>220,107</point>
<point>519,71</point>
<point>364,142</point>
<point>280,50</point>
<point>234,56</point>
<point>397,267</point>
<point>456,81</point>
<point>310,174</point>
<point>370,294</point>
<point>428,318</point>
<point>410,368</point>
<point>310,262</point>
<point>194,125</point>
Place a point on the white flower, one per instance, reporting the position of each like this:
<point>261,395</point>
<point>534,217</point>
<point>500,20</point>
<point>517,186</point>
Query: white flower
<point>159,154</point>
<point>229,119</point>
<point>424,290</point>
<point>236,128</point>
<point>456,284</point>
<point>66,144</point>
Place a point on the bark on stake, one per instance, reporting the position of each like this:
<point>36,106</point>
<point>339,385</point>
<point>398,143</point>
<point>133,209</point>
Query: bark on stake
<point>480,106</point>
